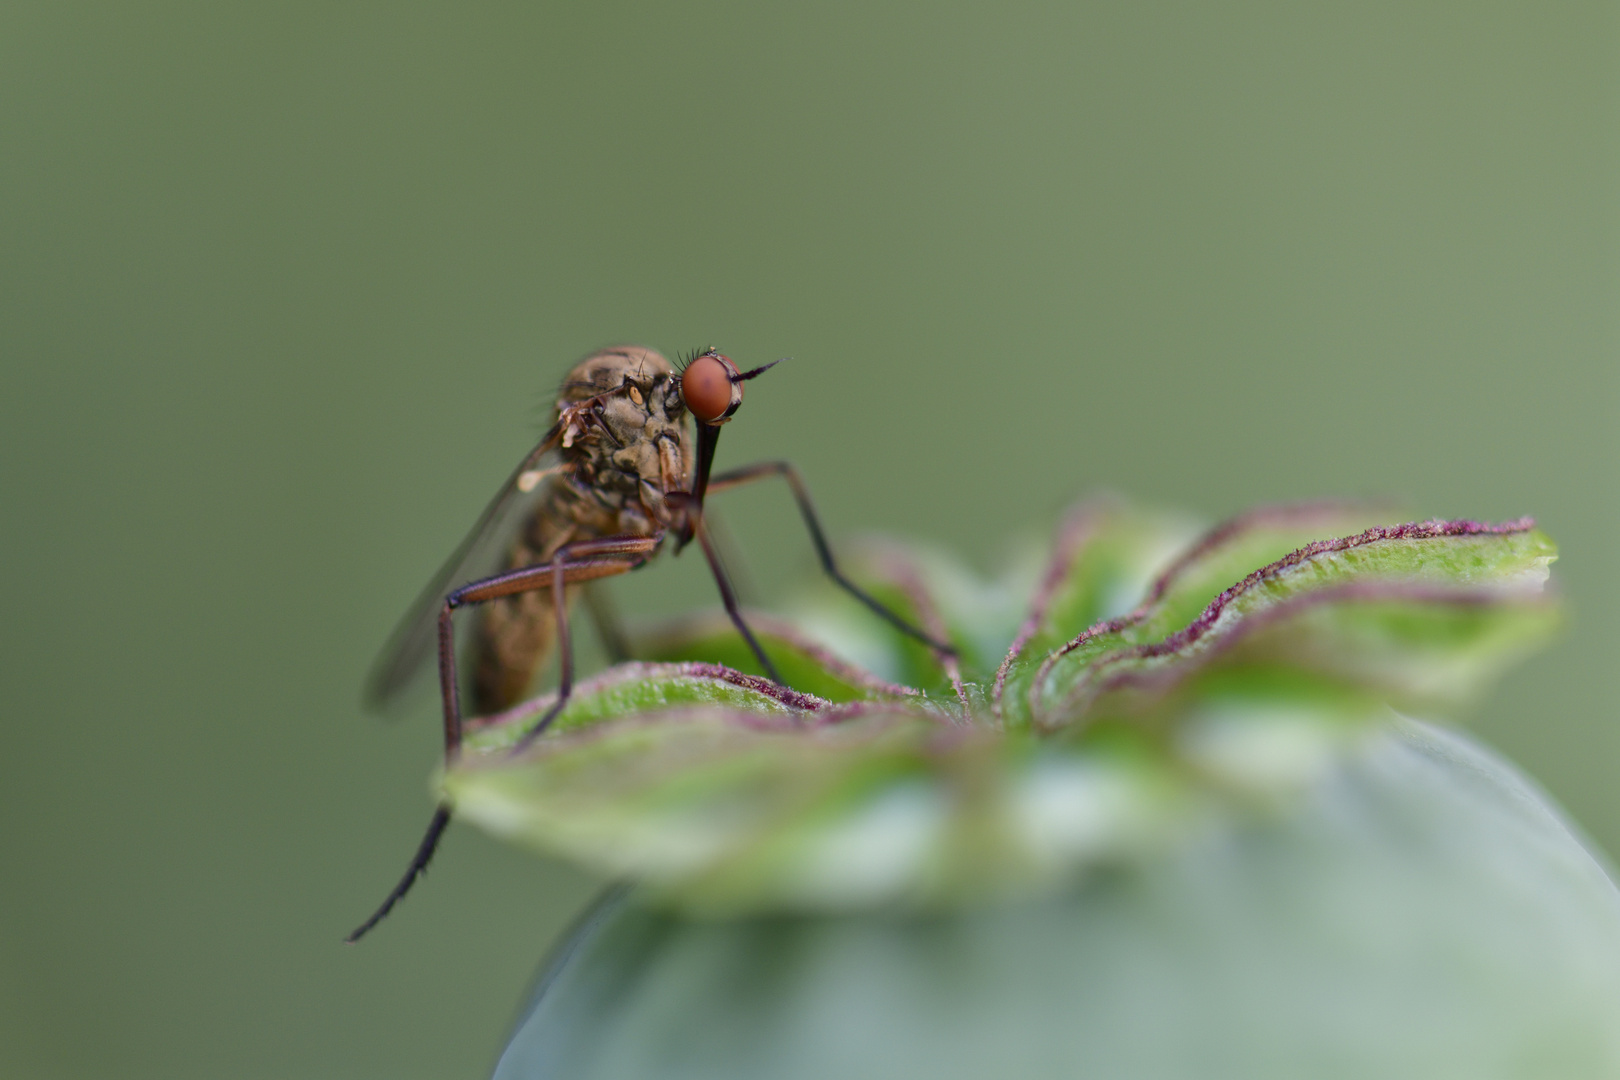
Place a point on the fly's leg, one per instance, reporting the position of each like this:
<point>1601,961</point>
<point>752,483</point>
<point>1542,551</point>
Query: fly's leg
<point>728,597</point>
<point>583,561</point>
<point>801,495</point>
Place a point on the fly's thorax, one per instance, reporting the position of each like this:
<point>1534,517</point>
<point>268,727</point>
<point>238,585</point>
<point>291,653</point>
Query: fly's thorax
<point>608,370</point>
<point>625,434</point>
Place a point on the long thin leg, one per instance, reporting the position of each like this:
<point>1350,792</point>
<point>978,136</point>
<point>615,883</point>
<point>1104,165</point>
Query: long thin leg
<point>424,852</point>
<point>728,597</point>
<point>708,436</point>
<point>801,495</point>
<point>585,560</point>
<point>731,556</point>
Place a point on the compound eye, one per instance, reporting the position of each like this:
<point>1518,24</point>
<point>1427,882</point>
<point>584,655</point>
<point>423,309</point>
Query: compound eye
<point>708,389</point>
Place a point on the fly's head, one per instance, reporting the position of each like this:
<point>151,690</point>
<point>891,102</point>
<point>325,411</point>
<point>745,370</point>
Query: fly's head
<point>711,386</point>
<point>622,414</point>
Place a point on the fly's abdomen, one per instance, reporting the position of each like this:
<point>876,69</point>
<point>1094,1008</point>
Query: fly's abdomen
<point>515,637</point>
<point>516,634</point>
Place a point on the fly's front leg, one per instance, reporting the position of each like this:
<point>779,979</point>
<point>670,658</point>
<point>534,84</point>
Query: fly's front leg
<point>801,495</point>
<point>585,560</point>
<point>696,527</point>
<point>728,597</point>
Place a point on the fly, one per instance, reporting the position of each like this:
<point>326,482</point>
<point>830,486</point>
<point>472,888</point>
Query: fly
<point>618,473</point>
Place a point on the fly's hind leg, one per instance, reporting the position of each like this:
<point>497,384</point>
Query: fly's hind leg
<point>801,495</point>
<point>581,561</point>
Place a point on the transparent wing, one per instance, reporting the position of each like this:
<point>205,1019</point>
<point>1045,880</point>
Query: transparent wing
<point>414,638</point>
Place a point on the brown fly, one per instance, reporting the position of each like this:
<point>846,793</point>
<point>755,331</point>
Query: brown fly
<point>616,475</point>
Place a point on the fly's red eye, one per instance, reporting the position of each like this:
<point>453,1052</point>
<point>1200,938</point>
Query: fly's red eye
<point>707,388</point>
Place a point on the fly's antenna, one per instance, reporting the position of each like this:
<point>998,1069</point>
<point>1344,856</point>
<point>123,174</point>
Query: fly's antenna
<point>744,376</point>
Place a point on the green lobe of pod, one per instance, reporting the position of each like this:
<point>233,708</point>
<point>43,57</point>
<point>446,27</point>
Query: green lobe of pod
<point>1104,697</point>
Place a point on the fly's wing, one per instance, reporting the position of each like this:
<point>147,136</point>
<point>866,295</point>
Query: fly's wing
<point>415,637</point>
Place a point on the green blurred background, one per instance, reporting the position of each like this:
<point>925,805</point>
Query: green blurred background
<point>284,290</point>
